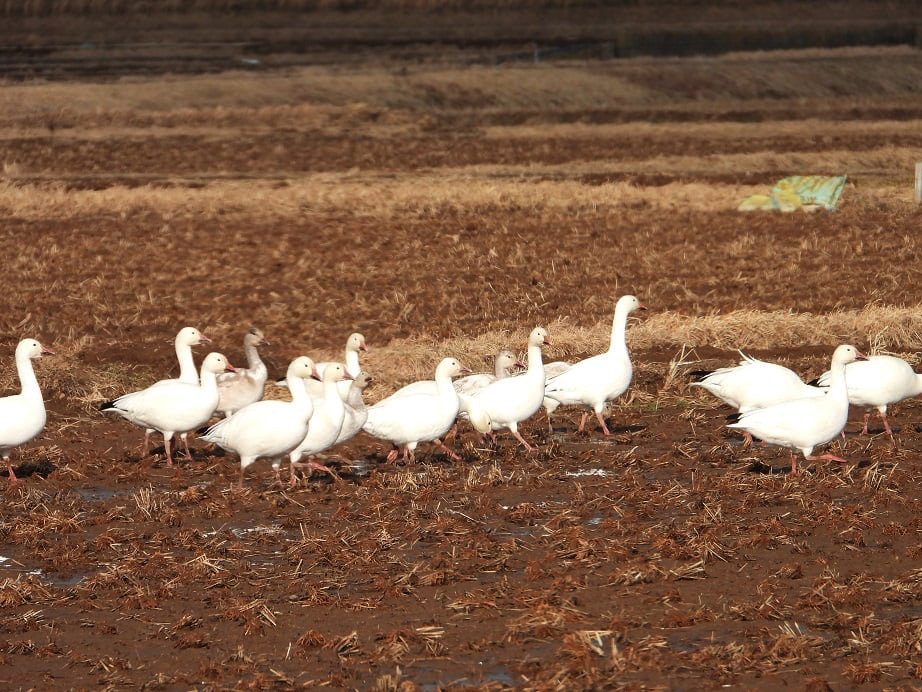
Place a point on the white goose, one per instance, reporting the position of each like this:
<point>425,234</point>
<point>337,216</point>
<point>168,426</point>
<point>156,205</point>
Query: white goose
<point>186,338</point>
<point>356,411</point>
<point>805,423</point>
<point>407,420</point>
<point>511,400</point>
<point>268,429</point>
<point>558,367</point>
<point>326,423</point>
<point>503,365</point>
<point>754,384</point>
<point>354,344</point>
<point>22,416</point>
<point>247,385</point>
<point>594,381</point>
<point>174,407</point>
<point>876,383</point>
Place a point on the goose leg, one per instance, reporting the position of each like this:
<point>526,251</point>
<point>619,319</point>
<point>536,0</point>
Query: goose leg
<point>602,423</point>
<point>447,450</point>
<point>9,468</point>
<point>240,478</point>
<point>582,422</point>
<point>515,431</point>
<point>185,444</point>
<point>166,448</point>
<point>883,417</point>
<point>793,463</point>
<point>392,455</point>
<point>747,440</point>
<point>145,450</point>
<point>864,431</point>
<point>550,426</point>
<point>826,457</point>
<point>452,434</point>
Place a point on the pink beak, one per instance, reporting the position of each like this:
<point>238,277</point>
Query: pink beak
<point>363,347</point>
<point>547,341</point>
<point>466,371</point>
<point>315,375</point>
<point>520,364</point>
<point>859,355</point>
<point>264,342</point>
<point>230,368</point>
<point>204,340</point>
<point>47,351</point>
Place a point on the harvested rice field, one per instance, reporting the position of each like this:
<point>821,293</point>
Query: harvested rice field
<point>444,202</point>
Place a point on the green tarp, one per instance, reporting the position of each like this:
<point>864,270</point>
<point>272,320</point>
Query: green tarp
<point>798,192</point>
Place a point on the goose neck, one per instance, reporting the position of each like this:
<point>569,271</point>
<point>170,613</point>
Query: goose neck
<point>187,372</point>
<point>27,376</point>
<point>252,355</point>
<point>352,362</point>
<point>618,332</point>
<point>535,365</point>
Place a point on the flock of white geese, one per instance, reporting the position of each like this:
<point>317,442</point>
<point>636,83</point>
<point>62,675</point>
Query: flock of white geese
<point>326,407</point>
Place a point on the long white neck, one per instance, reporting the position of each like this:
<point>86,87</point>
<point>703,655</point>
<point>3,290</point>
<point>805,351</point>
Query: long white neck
<point>331,393</point>
<point>498,370</point>
<point>187,372</point>
<point>618,329</point>
<point>443,384</point>
<point>299,395</point>
<point>208,381</point>
<point>27,377</point>
<point>535,365</point>
<point>838,388</point>
<point>352,362</point>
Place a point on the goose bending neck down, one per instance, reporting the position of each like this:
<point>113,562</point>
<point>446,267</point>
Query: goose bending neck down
<point>269,429</point>
<point>802,424</point>
<point>22,416</point>
<point>174,407</point>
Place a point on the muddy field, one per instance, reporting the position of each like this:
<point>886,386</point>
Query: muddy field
<point>446,211</point>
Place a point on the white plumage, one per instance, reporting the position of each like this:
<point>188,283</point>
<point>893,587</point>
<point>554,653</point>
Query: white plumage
<point>805,423</point>
<point>246,385</point>
<point>268,429</point>
<point>876,383</point>
<point>356,411</point>
<point>22,416</point>
<point>594,381</point>
<point>174,407</point>
<point>755,384</point>
<point>511,400</point>
<point>409,419</point>
<point>354,344</point>
<point>326,423</point>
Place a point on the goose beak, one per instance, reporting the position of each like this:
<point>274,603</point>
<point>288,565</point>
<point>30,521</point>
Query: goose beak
<point>859,355</point>
<point>203,340</point>
<point>264,342</point>
<point>519,364</point>
<point>465,371</point>
<point>47,352</point>
<point>363,347</point>
<point>641,307</point>
<point>230,368</point>
<point>547,341</point>
<point>347,376</point>
<point>315,375</point>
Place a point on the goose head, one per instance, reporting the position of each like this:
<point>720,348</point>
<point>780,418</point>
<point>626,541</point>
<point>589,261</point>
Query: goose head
<point>302,367</point>
<point>216,363</point>
<point>32,349</point>
<point>538,337</point>
<point>845,354</point>
<point>363,380</point>
<point>335,372</point>
<point>255,337</point>
<point>506,360</point>
<point>627,304</point>
<point>190,336</point>
<point>356,342</point>
<point>450,367</point>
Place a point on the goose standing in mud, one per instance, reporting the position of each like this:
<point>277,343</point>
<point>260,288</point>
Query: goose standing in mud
<point>803,424</point>
<point>22,416</point>
<point>594,381</point>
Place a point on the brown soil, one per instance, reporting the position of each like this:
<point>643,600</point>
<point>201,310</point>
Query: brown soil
<point>665,556</point>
